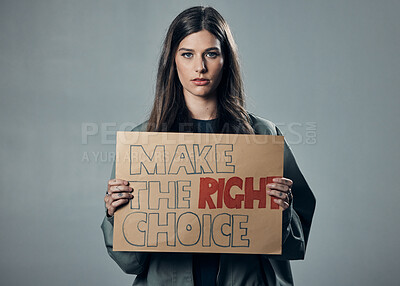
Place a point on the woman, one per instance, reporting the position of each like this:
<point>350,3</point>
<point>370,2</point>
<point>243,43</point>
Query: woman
<point>199,89</point>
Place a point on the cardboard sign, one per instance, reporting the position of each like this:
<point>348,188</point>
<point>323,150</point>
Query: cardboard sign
<point>199,193</point>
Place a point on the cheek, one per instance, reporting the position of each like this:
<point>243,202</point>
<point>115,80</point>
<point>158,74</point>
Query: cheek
<point>179,70</point>
<point>219,69</point>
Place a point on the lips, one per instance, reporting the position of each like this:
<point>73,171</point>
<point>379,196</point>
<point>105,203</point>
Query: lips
<point>200,81</point>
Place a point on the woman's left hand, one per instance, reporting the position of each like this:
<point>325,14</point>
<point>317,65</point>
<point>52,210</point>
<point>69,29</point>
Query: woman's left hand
<point>281,192</point>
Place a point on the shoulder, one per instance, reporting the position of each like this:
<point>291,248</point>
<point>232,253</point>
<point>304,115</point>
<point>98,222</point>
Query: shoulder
<point>141,127</point>
<point>263,126</point>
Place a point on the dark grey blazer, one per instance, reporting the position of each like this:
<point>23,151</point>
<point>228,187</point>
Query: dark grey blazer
<point>234,269</point>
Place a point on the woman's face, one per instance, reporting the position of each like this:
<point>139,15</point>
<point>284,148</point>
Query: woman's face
<point>199,62</point>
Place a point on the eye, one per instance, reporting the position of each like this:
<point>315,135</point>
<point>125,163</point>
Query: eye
<point>212,54</point>
<point>187,55</point>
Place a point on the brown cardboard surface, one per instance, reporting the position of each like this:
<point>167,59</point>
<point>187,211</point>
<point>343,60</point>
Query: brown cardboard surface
<point>198,193</point>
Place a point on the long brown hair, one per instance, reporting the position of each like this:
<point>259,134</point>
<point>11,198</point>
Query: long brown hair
<point>169,109</point>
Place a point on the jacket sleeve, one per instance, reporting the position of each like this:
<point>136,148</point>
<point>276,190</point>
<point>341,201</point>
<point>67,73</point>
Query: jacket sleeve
<point>297,218</point>
<point>129,262</point>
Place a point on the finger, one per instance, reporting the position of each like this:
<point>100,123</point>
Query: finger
<point>118,196</point>
<point>281,203</point>
<point>119,203</point>
<point>115,182</point>
<point>279,187</point>
<point>119,189</point>
<point>284,181</point>
<point>113,205</point>
<point>278,194</point>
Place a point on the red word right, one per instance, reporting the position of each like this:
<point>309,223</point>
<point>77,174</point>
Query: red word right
<point>210,186</point>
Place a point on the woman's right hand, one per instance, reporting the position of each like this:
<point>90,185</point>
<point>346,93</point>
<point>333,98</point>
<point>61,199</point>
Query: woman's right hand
<point>118,193</point>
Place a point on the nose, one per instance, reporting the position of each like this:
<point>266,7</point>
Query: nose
<point>201,65</point>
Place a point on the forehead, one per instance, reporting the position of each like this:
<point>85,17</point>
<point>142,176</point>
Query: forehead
<point>203,39</point>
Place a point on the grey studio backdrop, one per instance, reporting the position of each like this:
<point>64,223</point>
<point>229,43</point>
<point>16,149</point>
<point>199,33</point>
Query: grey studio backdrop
<point>74,72</point>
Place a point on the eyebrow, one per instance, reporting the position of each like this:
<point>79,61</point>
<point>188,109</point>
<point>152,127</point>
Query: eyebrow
<point>191,50</point>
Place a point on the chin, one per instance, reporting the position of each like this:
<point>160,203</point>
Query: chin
<point>205,95</point>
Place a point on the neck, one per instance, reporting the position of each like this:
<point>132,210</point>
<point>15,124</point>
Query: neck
<point>202,108</point>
